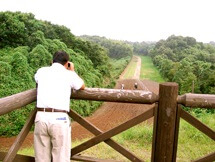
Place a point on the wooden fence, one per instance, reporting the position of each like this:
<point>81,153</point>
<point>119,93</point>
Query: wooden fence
<point>167,112</point>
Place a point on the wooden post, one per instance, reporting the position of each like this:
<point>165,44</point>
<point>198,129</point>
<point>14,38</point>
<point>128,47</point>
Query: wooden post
<point>166,122</point>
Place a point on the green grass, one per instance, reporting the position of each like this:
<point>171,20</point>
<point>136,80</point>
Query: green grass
<point>192,143</point>
<point>27,151</point>
<point>130,69</point>
<point>137,140</point>
<point>118,66</point>
<point>149,71</point>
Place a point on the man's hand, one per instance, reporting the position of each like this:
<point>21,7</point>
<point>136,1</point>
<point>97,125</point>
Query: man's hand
<point>70,66</point>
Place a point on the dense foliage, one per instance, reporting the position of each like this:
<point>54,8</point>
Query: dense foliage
<point>142,48</point>
<point>27,44</point>
<point>184,60</point>
<point>116,49</point>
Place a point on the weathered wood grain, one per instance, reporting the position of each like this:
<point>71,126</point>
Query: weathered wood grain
<point>90,159</point>
<point>197,100</point>
<point>177,124</point>
<point>116,95</point>
<point>166,122</point>
<point>13,102</point>
<point>16,101</point>
<point>154,132</point>
<point>207,158</point>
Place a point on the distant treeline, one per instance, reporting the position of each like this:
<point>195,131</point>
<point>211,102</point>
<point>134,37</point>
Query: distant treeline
<point>116,49</point>
<point>119,49</point>
<point>27,44</point>
<point>142,48</point>
<point>184,60</point>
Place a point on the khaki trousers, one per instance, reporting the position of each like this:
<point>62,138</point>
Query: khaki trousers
<point>52,140</point>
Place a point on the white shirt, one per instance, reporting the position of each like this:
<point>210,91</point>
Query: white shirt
<point>54,86</point>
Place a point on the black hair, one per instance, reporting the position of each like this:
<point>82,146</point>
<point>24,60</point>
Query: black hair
<point>60,57</point>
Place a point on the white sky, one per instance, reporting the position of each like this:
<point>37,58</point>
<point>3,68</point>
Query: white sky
<point>133,20</point>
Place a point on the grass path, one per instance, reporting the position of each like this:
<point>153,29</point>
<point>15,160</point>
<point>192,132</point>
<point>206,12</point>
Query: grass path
<point>149,71</point>
<point>132,71</point>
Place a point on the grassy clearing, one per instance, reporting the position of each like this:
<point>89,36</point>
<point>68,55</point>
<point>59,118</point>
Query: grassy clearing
<point>149,71</point>
<point>192,143</point>
<point>137,139</point>
<point>27,151</point>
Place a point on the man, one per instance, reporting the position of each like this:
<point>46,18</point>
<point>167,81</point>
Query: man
<point>52,134</point>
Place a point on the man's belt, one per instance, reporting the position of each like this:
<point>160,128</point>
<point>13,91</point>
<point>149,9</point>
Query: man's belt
<point>51,110</point>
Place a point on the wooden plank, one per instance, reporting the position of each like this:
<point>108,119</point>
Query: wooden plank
<point>197,124</point>
<point>13,102</point>
<point>106,135</point>
<point>115,95</point>
<point>178,116</point>
<point>20,138</point>
<point>86,124</point>
<point>207,158</point>
<point>18,158</point>
<point>96,131</point>
<point>90,159</point>
<point>166,121</point>
<point>154,132</point>
<point>197,100</point>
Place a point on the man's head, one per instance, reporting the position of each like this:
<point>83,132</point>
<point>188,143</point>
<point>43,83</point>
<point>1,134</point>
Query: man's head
<point>61,57</point>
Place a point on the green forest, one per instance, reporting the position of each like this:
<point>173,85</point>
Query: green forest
<point>184,60</point>
<point>27,44</point>
<point>116,49</point>
<point>120,49</point>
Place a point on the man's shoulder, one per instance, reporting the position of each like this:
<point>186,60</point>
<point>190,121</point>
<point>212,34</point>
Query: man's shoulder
<point>43,69</point>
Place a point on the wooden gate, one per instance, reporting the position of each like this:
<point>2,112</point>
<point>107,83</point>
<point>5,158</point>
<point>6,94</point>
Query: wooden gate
<point>167,112</point>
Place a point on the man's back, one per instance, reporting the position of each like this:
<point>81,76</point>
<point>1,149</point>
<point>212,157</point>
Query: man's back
<point>54,86</point>
<point>52,134</point>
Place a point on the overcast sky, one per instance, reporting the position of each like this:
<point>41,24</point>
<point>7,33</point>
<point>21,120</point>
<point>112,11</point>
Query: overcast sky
<point>133,20</point>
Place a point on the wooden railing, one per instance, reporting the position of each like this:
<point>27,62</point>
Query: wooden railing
<point>167,112</point>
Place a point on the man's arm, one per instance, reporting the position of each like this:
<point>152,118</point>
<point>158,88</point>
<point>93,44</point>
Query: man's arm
<point>82,87</point>
<point>71,67</point>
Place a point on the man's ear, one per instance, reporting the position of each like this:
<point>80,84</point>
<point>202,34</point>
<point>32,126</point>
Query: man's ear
<point>66,64</point>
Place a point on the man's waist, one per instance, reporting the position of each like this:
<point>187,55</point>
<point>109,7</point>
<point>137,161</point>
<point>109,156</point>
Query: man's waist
<point>51,110</point>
